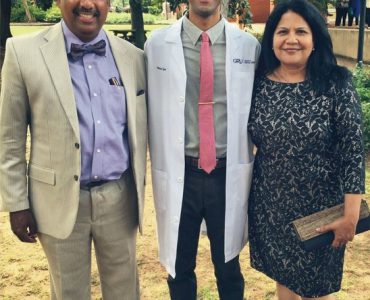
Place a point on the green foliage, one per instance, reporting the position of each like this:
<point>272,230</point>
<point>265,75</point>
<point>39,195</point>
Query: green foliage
<point>361,79</point>
<point>154,10</point>
<point>118,18</point>
<point>125,18</point>
<point>235,6</point>
<point>18,13</point>
<point>117,5</point>
<point>149,19</point>
<point>366,124</point>
<point>37,13</point>
<point>53,14</point>
<point>44,4</point>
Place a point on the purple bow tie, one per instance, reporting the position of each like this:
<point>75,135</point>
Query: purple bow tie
<point>77,51</point>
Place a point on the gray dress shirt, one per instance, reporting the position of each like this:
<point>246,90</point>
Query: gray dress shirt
<point>190,36</point>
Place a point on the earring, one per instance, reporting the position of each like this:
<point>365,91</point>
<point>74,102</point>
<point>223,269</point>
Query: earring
<point>313,49</point>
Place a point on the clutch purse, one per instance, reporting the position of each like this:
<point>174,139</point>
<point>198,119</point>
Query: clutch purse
<point>306,227</point>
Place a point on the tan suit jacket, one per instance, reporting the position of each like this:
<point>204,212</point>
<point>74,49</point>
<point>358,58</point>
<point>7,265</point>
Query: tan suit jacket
<point>37,92</point>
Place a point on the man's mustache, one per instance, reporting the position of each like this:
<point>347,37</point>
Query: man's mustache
<point>86,11</point>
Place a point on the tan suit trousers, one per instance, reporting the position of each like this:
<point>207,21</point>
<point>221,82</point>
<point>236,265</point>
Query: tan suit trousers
<point>108,217</point>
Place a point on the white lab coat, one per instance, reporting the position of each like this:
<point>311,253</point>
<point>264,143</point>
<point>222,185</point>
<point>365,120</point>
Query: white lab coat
<point>166,103</point>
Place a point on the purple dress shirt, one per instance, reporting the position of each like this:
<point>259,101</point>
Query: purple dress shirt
<point>101,109</point>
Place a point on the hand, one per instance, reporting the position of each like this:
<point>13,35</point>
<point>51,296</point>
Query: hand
<point>23,225</point>
<point>344,230</point>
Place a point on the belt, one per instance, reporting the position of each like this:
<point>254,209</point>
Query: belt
<point>194,162</point>
<point>90,185</point>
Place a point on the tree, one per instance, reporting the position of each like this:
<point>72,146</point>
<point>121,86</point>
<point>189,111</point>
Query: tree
<point>27,10</point>
<point>44,4</point>
<point>224,7</point>
<point>5,10</point>
<point>137,23</point>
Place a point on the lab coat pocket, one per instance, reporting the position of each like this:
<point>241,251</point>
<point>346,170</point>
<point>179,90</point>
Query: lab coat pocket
<point>237,207</point>
<point>159,179</point>
<point>241,175</point>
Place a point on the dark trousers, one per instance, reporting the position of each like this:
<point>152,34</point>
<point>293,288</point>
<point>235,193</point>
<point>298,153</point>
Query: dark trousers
<point>340,15</point>
<point>350,20</point>
<point>204,197</point>
<point>367,18</point>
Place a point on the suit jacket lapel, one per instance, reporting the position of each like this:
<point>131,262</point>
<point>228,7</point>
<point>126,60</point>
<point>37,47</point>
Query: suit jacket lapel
<point>54,52</point>
<point>125,66</point>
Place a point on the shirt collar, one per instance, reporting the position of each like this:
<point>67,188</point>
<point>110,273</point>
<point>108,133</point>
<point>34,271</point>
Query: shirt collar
<point>70,37</point>
<point>194,32</point>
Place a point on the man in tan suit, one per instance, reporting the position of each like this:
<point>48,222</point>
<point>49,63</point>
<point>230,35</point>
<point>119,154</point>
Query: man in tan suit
<point>81,94</point>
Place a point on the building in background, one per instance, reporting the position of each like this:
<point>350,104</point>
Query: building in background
<point>261,10</point>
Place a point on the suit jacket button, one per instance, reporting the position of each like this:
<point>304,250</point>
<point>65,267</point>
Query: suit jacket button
<point>77,145</point>
<point>75,177</point>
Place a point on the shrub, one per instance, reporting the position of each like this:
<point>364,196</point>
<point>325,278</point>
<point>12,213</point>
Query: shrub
<point>361,79</point>
<point>149,19</point>
<point>154,10</point>
<point>37,13</point>
<point>118,9</point>
<point>125,18</point>
<point>366,124</point>
<point>118,18</point>
<point>53,14</point>
<point>18,14</point>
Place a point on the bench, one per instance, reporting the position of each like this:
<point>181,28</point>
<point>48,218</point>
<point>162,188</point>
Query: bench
<point>127,34</point>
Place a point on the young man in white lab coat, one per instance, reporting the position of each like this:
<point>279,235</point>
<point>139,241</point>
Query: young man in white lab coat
<point>190,186</point>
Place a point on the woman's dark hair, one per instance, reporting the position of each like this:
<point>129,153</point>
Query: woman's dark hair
<point>322,65</point>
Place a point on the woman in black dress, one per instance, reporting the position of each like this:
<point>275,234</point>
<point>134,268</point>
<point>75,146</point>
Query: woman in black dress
<point>306,124</point>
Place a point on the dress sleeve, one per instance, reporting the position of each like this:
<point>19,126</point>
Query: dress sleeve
<point>348,124</point>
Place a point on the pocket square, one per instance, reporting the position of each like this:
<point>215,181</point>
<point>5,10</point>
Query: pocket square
<point>139,93</point>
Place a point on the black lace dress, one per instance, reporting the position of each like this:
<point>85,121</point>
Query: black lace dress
<point>310,152</point>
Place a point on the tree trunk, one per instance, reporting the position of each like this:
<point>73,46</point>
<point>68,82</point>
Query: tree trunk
<point>5,9</point>
<point>224,7</point>
<point>137,22</point>
<point>27,10</point>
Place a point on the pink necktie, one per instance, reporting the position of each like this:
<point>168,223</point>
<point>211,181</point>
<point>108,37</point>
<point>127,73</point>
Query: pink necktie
<point>207,148</point>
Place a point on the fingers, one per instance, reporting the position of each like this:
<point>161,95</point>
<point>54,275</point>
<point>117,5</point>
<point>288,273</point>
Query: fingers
<point>32,227</point>
<point>338,243</point>
<point>23,226</point>
<point>25,237</point>
<point>342,238</point>
<point>325,228</point>
<point>343,232</point>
